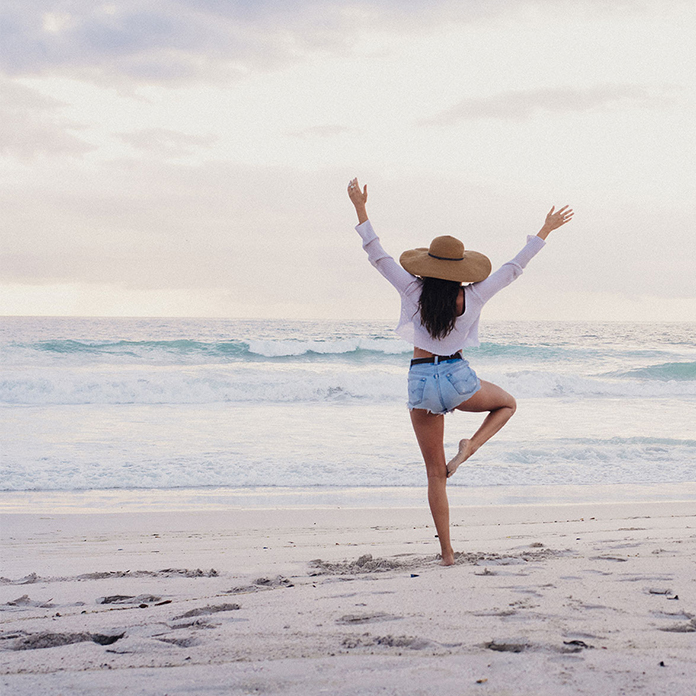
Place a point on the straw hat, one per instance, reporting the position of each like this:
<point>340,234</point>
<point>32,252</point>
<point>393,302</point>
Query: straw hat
<point>447,259</point>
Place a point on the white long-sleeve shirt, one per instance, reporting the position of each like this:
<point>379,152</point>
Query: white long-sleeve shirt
<point>465,332</point>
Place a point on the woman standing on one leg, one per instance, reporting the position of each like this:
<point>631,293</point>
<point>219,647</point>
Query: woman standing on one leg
<point>440,316</point>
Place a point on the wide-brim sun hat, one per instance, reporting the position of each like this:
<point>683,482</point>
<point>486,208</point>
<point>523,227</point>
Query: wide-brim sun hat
<point>448,260</point>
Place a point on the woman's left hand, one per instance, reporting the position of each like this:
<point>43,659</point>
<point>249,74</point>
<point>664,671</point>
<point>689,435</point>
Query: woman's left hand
<point>554,220</point>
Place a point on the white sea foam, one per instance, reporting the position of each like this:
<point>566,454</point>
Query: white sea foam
<point>105,403</point>
<point>345,448</point>
<point>536,384</point>
<point>290,384</point>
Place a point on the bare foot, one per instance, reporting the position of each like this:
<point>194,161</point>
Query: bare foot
<point>447,558</point>
<point>466,449</point>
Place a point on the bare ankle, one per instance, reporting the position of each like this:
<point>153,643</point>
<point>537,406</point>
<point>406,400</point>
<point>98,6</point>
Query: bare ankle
<point>447,557</point>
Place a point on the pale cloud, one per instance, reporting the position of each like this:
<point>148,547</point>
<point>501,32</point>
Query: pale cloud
<point>245,234</point>
<point>321,131</point>
<point>229,199</point>
<point>32,125</point>
<point>153,42</point>
<point>166,143</point>
<point>124,39</point>
<point>150,224</point>
<point>524,104</point>
<point>146,41</point>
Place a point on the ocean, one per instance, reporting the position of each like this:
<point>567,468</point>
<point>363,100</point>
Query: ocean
<point>169,404</point>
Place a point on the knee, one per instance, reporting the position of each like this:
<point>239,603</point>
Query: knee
<point>437,475</point>
<point>436,469</point>
<point>507,406</point>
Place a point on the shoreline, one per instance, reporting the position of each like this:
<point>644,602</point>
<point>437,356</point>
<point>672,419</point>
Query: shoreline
<point>190,499</point>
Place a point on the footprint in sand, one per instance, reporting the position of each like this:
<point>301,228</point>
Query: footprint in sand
<point>409,642</point>
<point>180,642</point>
<point>261,584</point>
<point>681,628</point>
<point>617,559</point>
<point>25,602</point>
<point>129,599</point>
<point>38,641</point>
<point>358,619</point>
<point>204,611</point>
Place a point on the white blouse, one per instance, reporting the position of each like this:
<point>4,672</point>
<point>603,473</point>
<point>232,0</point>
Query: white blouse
<point>465,332</point>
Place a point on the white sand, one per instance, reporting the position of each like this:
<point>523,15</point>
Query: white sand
<point>549,600</point>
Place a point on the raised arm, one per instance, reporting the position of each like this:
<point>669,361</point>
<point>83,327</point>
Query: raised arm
<point>513,269</point>
<point>401,279</point>
<point>359,200</point>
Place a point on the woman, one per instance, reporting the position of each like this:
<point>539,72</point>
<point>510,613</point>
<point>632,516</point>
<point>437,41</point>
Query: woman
<point>440,316</point>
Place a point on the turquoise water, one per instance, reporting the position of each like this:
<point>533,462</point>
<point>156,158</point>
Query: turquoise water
<point>187,403</point>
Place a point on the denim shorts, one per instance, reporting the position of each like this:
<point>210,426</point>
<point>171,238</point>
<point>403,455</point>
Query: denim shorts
<point>441,388</point>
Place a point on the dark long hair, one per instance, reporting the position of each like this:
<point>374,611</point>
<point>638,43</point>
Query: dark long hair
<point>438,306</point>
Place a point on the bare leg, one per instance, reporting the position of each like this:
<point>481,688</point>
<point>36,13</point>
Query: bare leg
<point>430,430</point>
<point>501,407</point>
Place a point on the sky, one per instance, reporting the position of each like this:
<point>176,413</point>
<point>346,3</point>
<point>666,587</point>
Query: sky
<point>191,157</point>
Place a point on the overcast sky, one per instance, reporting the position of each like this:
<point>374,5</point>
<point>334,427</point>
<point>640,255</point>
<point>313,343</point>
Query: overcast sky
<point>190,157</point>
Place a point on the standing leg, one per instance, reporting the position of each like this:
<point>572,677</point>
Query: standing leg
<point>501,407</point>
<point>430,430</point>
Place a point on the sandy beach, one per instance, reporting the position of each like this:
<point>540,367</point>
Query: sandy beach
<point>551,599</point>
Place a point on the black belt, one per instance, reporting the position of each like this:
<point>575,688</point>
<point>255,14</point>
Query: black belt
<point>440,358</point>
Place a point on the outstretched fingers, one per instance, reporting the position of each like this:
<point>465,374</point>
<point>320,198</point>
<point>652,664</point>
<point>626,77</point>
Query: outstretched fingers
<point>556,218</point>
<point>566,213</point>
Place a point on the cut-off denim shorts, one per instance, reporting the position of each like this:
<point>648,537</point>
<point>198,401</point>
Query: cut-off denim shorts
<point>440,388</point>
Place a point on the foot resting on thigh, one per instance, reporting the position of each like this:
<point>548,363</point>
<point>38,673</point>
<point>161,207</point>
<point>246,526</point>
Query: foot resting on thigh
<point>466,449</point>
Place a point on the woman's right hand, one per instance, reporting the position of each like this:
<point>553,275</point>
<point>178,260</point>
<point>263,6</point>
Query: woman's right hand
<point>355,194</point>
<point>359,199</point>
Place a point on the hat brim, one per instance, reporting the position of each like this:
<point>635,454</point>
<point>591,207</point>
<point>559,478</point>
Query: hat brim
<point>473,268</point>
